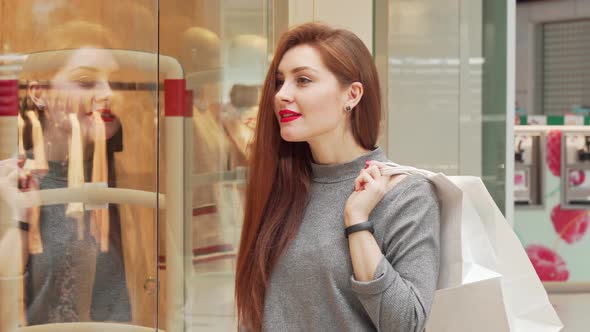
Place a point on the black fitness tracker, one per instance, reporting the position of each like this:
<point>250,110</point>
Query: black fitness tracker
<point>23,225</point>
<point>363,226</point>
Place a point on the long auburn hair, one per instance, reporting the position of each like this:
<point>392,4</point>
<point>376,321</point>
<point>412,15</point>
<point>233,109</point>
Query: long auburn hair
<point>280,171</point>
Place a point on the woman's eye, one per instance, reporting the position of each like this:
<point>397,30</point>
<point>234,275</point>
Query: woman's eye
<point>84,81</point>
<point>303,80</point>
<point>86,84</point>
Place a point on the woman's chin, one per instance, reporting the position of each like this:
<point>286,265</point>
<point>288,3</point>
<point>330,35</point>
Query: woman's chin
<point>290,136</point>
<point>111,128</point>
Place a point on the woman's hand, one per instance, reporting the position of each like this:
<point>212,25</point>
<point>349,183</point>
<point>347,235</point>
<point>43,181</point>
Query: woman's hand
<point>369,188</point>
<point>13,180</point>
<point>11,177</point>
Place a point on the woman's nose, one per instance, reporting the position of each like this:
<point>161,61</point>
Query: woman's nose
<point>284,94</point>
<point>103,90</point>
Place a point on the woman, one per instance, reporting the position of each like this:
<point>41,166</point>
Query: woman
<point>74,274</point>
<point>315,172</point>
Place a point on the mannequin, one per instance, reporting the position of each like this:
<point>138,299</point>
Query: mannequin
<point>171,27</point>
<point>139,32</point>
<point>239,119</point>
<point>76,33</point>
<point>247,60</point>
<point>200,59</point>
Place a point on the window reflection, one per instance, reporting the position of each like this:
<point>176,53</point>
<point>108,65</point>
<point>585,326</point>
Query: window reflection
<point>89,263</point>
<point>224,54</point>
<point>90,115</point>
<point>70,136</point>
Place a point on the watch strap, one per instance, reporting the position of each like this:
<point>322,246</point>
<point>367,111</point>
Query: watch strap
<point>362,226</point>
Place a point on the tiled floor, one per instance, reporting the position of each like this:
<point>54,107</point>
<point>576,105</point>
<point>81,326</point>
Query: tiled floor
<point>574,311</point>
<point>212,309</point>
<point>213,306</point>
<point>213,302</point>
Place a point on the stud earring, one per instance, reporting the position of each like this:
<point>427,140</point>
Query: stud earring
<point>348,109</point>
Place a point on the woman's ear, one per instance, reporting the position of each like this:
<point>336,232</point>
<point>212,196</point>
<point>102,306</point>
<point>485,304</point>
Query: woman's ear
<point>354,94</point>
<point>35,93</point>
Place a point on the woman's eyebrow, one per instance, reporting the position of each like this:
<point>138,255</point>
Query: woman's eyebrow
<point>298,69</point>
<point>83,69</point>
<point>302,68</point>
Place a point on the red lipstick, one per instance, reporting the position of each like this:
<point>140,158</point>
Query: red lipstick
<point>288,115</point>
<point>107,115</point>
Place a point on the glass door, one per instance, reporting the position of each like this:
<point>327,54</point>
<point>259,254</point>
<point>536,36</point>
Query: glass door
<point>223,47</point>
<point>83,130</point>
<point>129,124</point>
<point>446,76</point>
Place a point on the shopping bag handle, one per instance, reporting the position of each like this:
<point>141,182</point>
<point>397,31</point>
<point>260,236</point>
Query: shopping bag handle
<point>392,168</point>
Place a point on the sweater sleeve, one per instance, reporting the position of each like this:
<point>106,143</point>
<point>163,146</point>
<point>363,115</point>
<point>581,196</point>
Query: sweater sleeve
<point>400,295</point>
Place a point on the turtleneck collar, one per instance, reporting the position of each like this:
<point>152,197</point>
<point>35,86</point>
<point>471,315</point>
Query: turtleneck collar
<point>346,171</point>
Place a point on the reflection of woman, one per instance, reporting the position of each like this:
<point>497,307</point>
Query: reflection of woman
<point>75,275</point>
<point>314,173</point>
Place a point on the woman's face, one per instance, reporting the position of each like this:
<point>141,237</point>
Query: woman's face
<point>82,86</point>
<point>309,100</point>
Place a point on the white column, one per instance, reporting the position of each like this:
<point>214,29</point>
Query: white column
<point>10,241</point>
<point>353,15</point>
<point>510,96</point>
<point>174,141</point>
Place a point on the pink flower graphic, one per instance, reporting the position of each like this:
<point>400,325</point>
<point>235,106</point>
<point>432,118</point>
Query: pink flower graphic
<point>571,225</point>
<point>554,152</point>
<point>547,263</point>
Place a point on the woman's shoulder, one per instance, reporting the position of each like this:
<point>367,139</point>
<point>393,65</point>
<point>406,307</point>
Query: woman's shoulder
<point>413,189</point>
<point>407,202</point>
<point>412,182</point>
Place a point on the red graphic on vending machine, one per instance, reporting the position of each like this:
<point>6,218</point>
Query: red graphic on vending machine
<point>547,263</point>
<point>570,225</point>
<point>519,180</point>
<point>554,152</point>
<point>576,177</point>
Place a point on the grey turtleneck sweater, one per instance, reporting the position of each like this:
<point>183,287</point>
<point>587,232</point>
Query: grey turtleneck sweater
<point>312,287</point>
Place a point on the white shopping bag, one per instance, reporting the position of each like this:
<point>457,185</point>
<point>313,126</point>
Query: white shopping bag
<point>486,282</point>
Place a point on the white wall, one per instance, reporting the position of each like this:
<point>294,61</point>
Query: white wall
<point>528,15</point>
<point>430,123</point>
<point>432,73</point>
<point>435,77</point>
<point>354,15</point>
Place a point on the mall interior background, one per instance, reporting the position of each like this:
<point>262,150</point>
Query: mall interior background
<point>469,90</point>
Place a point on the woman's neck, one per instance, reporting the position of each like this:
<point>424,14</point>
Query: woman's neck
<point>333,149</point>
<point>57,145</point>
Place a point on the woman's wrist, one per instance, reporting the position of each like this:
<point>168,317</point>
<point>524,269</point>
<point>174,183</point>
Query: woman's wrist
<point>354,218</point>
